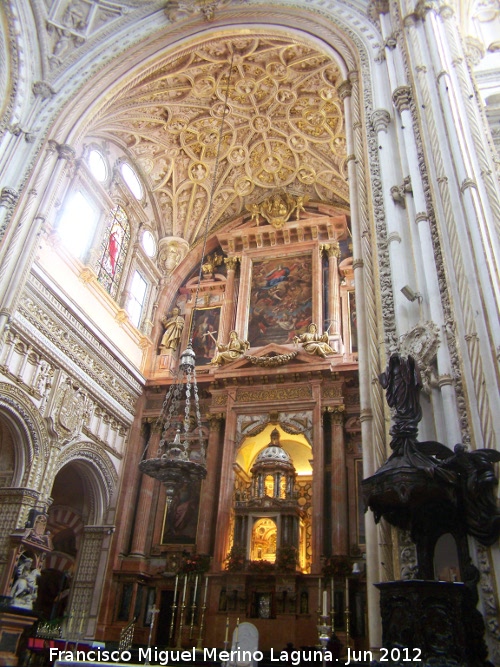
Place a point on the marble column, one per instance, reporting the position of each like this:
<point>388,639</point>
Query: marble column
<point>228,317</point>
<point>318,465</point>
<point>226,487</point>
<point>333,252</point>
<point>340,544</point>
<point>210,486</point>
<point>143,514</point>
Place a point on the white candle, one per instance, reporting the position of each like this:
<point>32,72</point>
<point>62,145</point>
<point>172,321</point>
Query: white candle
<point>205,593</point>
<point>324,603</point>
<point>175,587</point>
<point>195,588</point>
<point>332,599</point>
<point>319,594</point>
<point>227,630</point>
<point>184,591</point>
<point>237,632</point>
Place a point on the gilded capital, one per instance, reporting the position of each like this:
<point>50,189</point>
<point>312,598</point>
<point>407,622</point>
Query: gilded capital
<point>338,415</point>
<point>332,249</point>
<point>231,262</point>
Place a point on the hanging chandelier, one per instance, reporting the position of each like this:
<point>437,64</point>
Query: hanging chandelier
<point>179,461</point>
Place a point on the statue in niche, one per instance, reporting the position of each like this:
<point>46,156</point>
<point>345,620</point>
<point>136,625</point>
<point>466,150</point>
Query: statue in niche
<point>314,342</point>
<point>174,326</point>
<point>233,350</point>
<point>25,587</point>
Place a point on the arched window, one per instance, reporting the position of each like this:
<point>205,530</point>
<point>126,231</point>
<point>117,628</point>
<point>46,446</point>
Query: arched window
<point>132,180</point>
<point>97,165</point>
<point>77,223</point>
<point>113,250</point>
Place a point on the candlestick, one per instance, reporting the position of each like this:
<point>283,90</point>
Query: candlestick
<point>205,592</point>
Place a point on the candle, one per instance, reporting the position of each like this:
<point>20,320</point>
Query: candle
<point>195,588</point>
<point>175,587</point>
<point>319,594</point>
<point>324,603</point>
<point>237,632</point>
<point>332,599</point>
<point>205,593</point>
<point>184,591</point>
<point>347,594</point>
<point>227,630</point>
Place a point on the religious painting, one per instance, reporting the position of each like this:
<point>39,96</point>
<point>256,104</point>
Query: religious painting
<point>204,331</point>
<point>280,300</point>
<point>353,324</point>
<point>181,518</point>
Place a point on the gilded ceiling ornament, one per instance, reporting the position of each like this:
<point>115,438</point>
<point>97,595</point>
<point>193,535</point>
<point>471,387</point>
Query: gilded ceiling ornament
<point>278,208</point>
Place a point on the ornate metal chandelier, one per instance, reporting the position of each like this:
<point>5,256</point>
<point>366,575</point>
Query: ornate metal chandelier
<point>178,461</point>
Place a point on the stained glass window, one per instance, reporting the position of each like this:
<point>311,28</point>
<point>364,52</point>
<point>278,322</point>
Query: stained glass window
<point>113,250</point>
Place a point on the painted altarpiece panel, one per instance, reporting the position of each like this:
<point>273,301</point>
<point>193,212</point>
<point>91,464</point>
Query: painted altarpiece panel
<point>281,299</point>
<point>204,332</point>
<point>181,518</point>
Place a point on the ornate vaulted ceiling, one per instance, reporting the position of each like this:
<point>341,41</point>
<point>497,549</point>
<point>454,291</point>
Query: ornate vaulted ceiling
<point>282,128</point>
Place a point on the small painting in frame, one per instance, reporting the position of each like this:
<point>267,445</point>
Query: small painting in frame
<point>204,331</point>
<point>181,518</point>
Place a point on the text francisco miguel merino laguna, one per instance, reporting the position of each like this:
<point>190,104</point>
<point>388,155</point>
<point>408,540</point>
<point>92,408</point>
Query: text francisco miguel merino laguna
<point>166,657</point>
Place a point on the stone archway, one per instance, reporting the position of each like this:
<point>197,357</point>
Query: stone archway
<point>81,493</point>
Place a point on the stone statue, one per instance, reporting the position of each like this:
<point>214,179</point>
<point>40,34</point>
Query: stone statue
<point>173,331</point>
<point>314,342</point>
<point>25,588</point>
<point>233,350</point>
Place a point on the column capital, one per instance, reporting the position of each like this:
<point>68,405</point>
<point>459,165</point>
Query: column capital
<point>332,249</point>
<point>338,415</point>
<point>65,152</point>
<point>215,420</point>
<point>401,98</point>
<point>380,119</point>
<point>344,90</point>
<point>232,262</point>
<point>8,197</point>
<point>378,7</point>
<point>43,89</point>
<point>424,6</point>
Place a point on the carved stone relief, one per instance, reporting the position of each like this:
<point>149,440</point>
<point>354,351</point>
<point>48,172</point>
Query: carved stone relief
<point>422,343</point>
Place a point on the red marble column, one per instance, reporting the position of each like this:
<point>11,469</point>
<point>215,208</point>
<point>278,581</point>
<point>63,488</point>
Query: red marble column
<point>207,507</point>
<point>228,317</point>
<point>318,485</point>
<point>338,506</point>
<point>143,514</point>
<point>226,485</point>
